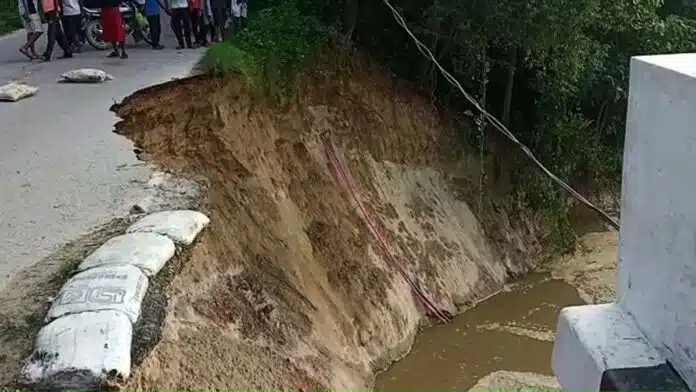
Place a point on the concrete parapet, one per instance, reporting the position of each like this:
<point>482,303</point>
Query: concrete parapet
<point>652,326</point>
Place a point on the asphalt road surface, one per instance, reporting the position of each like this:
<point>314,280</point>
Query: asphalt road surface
<point>62,170</point>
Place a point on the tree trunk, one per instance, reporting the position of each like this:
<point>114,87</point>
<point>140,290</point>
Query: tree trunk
<point>507,102</point>
<point>430,75</point>
<point>483,94</point>
<point>350,18</point>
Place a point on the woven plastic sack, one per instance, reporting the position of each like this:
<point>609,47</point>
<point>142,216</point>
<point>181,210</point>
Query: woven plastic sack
<point>85,75</point>
<point>13,92</point>
<point>120,288</point>
<point>147,251</point>
<point>80,351</point>
<point>182,226</point>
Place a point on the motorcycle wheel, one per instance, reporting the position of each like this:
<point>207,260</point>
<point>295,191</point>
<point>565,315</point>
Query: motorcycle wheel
<point>143,33</point>
<point>93,34</point>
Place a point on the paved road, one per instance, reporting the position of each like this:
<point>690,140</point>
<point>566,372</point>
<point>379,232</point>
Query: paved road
<point>62,170</point>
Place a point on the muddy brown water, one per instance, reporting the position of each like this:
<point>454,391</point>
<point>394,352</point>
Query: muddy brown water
<point>511,331</point>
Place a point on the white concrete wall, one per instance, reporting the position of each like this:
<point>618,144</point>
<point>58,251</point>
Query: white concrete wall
<point>654,319</point>
<point>657,267</point>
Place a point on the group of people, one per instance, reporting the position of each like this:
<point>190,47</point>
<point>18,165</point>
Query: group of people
<point>191,21</point>
<point>64,18</point>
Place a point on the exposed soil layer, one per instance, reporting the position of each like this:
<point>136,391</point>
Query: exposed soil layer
<point>287,289</point>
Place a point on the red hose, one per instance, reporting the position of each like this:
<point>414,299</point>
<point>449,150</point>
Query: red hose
<point>343,179</point>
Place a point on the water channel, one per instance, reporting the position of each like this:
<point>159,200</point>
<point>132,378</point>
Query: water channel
<point>511,331</point>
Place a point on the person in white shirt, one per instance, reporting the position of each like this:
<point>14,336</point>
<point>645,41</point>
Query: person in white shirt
<point>181,22</point>
<point>28,12</point>
<point>239,11</point>
<point>72,23</point>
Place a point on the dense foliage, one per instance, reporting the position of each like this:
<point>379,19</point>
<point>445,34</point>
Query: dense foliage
<point>555,71</point>
<point>278,42</point>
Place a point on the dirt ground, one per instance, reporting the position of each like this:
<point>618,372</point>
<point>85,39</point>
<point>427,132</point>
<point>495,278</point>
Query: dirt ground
<point>504,380</point>
<point>287,289</point>
<point>592,267</point>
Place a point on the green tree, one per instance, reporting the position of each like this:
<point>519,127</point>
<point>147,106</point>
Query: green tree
<point>555,71</point>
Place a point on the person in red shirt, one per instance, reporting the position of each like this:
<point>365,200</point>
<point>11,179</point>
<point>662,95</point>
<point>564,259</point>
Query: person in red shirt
<point>113,30</point>
<point>196,11</point>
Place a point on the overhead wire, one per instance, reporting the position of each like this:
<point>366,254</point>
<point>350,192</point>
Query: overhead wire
<point>493,120</point>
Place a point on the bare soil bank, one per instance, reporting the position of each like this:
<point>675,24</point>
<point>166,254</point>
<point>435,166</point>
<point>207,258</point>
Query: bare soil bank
<point>592,268</point>
<point>287,289</point>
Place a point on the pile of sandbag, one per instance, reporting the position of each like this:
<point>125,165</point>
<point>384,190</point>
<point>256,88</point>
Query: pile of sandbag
<point>87,338</point>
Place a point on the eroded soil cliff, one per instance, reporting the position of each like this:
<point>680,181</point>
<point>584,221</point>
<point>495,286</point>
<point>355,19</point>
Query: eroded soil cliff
<point>287,289</point>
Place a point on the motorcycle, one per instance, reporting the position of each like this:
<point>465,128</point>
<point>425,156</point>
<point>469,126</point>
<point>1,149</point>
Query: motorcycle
<point>134,24</point>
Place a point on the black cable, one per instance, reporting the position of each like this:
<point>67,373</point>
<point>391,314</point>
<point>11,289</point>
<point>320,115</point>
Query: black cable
<point>166,10</point>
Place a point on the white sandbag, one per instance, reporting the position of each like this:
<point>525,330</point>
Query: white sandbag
<point>182,226</point>
<point>86,75</point>
<point>121,288</point>
<point>13,92</point>
<point>147,251</point>
<point>80,350</point>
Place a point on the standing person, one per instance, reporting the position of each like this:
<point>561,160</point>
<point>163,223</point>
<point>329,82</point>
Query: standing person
<point>181,22</point>
<point>29,13</point>
<point>81,29</point>
<point>52,11</point>
<point>239,9</point>
<point>113,30</point>
<point>196,12</point>
<point>152,12</point>
<point>219,11</point>
<point>72,23</point>
<point>205,24</point>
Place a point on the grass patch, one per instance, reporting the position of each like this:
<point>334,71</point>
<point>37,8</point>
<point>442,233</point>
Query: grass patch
<point>226,58</point>
<point>9,17</point>
<point>278,43</point>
